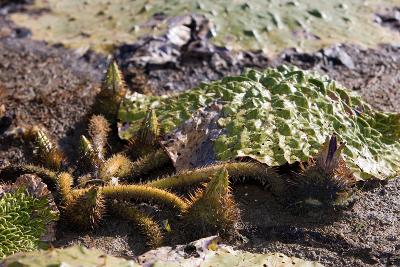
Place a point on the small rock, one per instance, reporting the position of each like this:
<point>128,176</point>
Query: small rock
<point>339,56</point>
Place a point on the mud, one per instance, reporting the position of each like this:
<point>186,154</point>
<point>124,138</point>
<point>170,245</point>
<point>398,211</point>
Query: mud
<point>54,87</point>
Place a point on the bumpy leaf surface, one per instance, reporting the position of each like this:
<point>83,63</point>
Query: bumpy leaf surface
<point>277,116</point>
<point>23,221</point>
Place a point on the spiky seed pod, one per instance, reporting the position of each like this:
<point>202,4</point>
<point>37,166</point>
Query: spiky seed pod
<point>47,151</point>
<point>236,170</point>
<point>212,210</point>
<point>86,149</point>
<point>64,188</point>
<point>117,166</point>
<point>86,209</point>
<point>325,180</point>
<point>149,132</point>
<point>147,225</point>
<point>148,163</point>
<point>146,140</point>
<point>112,92</point>
<point>49,177</point>
<point>99,129</point>
<point>144,193</point>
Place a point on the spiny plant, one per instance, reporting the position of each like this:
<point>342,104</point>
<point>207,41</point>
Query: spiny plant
<point>85,200</point>
<point>110,183</point>
<point>27,215</point>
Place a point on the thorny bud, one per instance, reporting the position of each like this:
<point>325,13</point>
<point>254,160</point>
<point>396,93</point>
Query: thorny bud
<point>48,152</point>
<point>326,180</point>
<point>150,129</point>
<point>112,92</point>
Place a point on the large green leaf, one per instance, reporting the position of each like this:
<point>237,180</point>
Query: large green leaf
<point>277,116</point>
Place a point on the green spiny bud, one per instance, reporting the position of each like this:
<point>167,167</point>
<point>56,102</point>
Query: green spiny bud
<point>86,148</point>
<point>112,92</point>
<point>150,130</point>
<point>213,210</point>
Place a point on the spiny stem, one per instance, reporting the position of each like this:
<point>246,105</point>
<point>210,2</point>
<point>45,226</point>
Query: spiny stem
<point>149,132</point>
<point>88,153</point>
<point>113,90</point>
<point>144,193</point>
<point>147,225</point>
<point>49,177</point>
<point>201,175</point>
<point>148,163</point>
<point>98,131</point>
<point>64,187</point>
<point>212,210</point>
<point>86,209</point>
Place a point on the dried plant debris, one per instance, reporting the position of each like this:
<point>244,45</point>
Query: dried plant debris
<point>277,116</point>
<point>27,215</point>
<point>272,26</point>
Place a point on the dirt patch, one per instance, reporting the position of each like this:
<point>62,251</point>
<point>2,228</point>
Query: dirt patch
<point>43,85</point>
<point>364,235</point>
<point>373,73</point>
<point>53,87</point>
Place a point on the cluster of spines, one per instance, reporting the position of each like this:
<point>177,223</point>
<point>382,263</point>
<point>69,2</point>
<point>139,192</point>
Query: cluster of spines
<point>212,210</point>
<point>112,92</point>
<point>237,170</point>
<point>99,129</point>
<point>325,180</point>
<point>86,210</point>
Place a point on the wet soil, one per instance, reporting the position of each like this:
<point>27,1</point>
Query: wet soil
<point>54,87</point>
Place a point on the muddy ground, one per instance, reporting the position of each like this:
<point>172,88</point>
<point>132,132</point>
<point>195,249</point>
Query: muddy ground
<point>54,87</point>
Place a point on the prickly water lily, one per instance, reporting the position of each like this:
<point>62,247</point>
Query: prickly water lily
<point>277,116</point>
